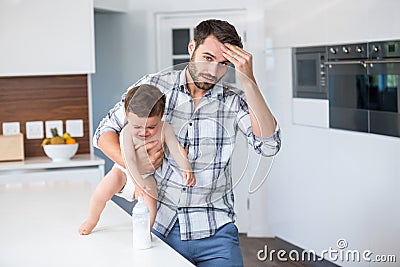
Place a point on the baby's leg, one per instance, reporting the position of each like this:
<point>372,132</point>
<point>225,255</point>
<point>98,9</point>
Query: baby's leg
<point>149,193</point>
<point>111,184</point>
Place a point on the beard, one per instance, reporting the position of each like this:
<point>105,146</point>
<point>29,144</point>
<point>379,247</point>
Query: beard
<point>197,75</point>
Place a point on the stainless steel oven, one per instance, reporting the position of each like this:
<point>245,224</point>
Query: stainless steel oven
<point>348,87</point>
<point>309,79</point>
<point>383,69</point>
<point>363,83</point>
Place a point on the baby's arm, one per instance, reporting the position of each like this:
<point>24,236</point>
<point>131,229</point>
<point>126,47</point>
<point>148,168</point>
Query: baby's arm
<point>179,154</point>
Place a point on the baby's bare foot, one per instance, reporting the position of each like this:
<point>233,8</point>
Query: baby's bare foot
<point>86,227</point>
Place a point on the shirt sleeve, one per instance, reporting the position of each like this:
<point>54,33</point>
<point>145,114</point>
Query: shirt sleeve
<point>114,121</point>
<point>268,146</point>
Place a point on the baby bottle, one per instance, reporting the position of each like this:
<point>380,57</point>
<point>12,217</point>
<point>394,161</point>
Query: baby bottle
<point>141,225</point>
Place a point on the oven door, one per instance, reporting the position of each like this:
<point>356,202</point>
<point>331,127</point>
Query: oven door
<point>384,97</point>
<point>348,95</point>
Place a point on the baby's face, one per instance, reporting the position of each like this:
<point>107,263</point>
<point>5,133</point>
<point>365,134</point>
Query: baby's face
<point>143,128</point>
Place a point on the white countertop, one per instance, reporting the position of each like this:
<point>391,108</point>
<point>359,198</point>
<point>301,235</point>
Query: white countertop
<point>79,160</point>
<point>39,227</point>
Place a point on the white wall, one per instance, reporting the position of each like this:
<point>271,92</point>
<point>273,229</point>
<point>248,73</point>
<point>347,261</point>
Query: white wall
<point>120,60</point>
<point>329,184</point>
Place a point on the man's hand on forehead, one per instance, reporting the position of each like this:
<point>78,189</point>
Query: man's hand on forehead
<point>240,58</point>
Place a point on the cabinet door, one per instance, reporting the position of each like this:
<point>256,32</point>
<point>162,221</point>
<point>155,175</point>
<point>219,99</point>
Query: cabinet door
<point>45,37</point>
<point>111,5</point>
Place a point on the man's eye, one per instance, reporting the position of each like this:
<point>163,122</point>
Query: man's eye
<point>224,63</point>
<point>151,127</point>
<point>207,58</point>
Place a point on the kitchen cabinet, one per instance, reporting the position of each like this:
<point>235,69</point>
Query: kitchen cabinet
<point>111,5</point>
<point>291,23</point>
<point>43,169</point>
<point>46,37</point>
<point>349,23</point>
<point>285,17</point>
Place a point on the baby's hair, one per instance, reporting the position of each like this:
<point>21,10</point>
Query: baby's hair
<point>145,101</point>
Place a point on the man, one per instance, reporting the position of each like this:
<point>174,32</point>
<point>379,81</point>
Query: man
<point>206,115</point>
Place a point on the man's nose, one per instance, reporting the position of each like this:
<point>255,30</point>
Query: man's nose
<point>213,68</point>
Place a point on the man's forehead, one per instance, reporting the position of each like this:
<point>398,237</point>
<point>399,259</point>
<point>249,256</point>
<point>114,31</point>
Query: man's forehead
<point>212,47</point>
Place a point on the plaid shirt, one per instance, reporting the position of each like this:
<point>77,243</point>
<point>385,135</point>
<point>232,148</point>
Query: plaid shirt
<point>209,133</point>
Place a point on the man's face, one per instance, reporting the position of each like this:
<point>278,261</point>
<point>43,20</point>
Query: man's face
<point>207,64</point>
<point>143,127</point>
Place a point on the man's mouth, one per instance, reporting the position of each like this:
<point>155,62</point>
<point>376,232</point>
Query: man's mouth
<point>208,78</point>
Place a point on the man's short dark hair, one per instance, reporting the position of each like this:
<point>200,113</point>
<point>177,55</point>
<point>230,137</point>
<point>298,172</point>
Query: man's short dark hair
<point>222,30</point>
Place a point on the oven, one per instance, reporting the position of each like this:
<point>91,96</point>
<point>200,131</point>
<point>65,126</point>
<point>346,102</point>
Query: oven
<point>383,69</point>
<point>363,85</point>
<point>309,72</point>
<point>348,87</point>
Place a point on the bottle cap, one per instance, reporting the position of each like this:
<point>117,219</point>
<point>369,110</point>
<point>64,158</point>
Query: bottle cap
<point>140,207</point>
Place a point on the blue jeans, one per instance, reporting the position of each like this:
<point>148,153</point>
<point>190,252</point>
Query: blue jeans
<point>219,250</point>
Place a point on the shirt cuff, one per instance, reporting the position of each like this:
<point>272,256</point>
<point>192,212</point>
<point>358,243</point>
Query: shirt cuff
<point>268,146</point>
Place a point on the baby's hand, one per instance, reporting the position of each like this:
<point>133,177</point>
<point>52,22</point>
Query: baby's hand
<point>189,177</point>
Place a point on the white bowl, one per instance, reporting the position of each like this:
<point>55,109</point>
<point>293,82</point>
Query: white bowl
<point>61,152</point>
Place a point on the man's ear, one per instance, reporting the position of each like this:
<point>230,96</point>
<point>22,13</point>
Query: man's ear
<point>191,47</point>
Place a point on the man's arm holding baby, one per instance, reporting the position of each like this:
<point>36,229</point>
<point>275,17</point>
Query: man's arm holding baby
<point>148,156</point>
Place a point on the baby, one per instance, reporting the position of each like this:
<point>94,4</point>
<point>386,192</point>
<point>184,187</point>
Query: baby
<point>144,108</point>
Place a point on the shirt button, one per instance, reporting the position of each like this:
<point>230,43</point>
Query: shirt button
<point>179,208</point>
<point>190,124</point>
<point>184,189</point>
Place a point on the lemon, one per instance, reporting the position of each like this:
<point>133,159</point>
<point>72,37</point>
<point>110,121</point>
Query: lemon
<point>67,136</point>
